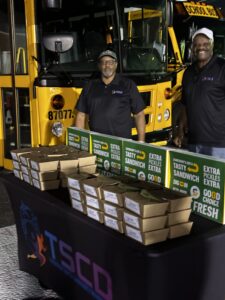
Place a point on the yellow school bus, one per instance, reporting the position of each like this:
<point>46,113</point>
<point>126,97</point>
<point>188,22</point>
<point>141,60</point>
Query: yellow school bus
<point>48,51</point>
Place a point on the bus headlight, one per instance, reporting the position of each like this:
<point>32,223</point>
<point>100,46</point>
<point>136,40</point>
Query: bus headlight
<point>57,129</point>
<point>166,115</point>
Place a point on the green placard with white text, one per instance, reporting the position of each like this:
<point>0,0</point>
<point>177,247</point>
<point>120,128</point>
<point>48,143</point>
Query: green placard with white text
<point>144,162</point>
<point>108,150</point>
<point>78,138</point>
<point>203,178</point>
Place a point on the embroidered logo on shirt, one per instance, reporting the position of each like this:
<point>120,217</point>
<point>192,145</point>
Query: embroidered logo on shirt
<point>117,92</point>
<point>207,78</point>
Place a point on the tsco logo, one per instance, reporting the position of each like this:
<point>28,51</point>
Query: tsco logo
<point>76,266</point>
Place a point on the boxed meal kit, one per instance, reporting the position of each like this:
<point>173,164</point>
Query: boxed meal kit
<point>95,214</point>
<point>75,180</point>
<point>114,223</point>
<point>79,205</point>
<point>145,205</point>
<point>93,186</point>
<point>113,210</point>
<point>147,238</point>
<point>148,224</point>
<point>180,230</point>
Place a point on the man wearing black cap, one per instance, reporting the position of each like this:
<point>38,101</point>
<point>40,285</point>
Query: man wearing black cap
<point>203,96</point>
<point>109,101</point>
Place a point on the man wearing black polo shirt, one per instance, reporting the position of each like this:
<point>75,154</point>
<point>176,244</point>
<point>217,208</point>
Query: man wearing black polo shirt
<point>109,101</point>
<point>203,114</point>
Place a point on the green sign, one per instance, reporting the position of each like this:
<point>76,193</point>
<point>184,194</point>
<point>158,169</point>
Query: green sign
<point>203,178</point>
<point>78,138</point>
<point>144,162</point>
<point>108,150</point>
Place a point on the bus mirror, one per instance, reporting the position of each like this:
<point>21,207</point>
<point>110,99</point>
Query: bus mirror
<point>52,4</point>
<point>58,43</point>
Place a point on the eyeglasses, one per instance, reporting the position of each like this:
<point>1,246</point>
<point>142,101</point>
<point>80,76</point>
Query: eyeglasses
<point>107,62</point>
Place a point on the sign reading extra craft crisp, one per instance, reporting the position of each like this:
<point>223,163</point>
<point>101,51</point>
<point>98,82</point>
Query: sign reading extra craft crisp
<point>108,150</point>
<point>203,178</point>
<point>144,161</point>
<point>78,138</point>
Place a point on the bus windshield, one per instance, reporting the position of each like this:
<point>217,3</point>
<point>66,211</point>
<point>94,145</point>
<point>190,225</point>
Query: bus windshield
<point>143,35</point>
<point>133,29</point>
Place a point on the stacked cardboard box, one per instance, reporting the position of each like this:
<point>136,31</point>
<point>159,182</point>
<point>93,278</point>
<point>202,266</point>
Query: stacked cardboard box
<point>93,195</point>
<point>179,211</point>
<point>40,170</point>
<point>46,167</point>
<point>145,217</point>
<point>143,211</point>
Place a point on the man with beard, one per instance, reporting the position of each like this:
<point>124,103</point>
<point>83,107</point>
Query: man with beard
<point>109,102</point>
<point>203,98</point>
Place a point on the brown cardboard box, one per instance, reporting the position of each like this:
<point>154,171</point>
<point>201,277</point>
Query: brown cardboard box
<point>147,238</point>
<point>95,214</point>
<point>144,207</point>
<point>25,158</point>
<point>44,176</point>
<point>46,185</point>
<point>68,161</point>
<point>94,202</point>
<point>113,194</point>
<point>27,178</point>
<point>75,180</point>
<point>67,172</point>
<point>16,165</point>
<point>44,163</point>
<point>90,169</point>
<point>78,205</point>
<point>144,225</point>
<point>180,230</point>
<point>93,186</point>
<point>177,217</point>
<point>76,194</point>
<point>113,223</point>
<point>18,174</point>
<point>177,201</point>
<point>113,210</point>
<point>86,159</point>
<point>17,152</point>
<point>25,170</point>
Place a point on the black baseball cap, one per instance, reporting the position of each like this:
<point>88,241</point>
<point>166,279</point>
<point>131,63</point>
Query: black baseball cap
<point>107,53</point>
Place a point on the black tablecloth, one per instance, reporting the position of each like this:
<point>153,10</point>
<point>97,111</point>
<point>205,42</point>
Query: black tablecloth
<point>82,259</point>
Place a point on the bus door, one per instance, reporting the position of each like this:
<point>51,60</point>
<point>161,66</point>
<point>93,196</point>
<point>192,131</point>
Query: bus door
<point>14,81</point>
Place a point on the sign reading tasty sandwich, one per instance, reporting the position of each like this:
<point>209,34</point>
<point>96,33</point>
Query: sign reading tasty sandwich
<point>108,150</point>
<point>144,161</point>
<point>78,138</point>
<point>203,178</point>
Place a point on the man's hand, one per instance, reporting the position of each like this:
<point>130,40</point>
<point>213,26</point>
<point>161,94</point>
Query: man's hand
<point>80,120</point>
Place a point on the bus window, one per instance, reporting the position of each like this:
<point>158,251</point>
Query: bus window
<point>20,38</point>
<point>93,27</point>
<point>144,41</point>
<point>5,54</point>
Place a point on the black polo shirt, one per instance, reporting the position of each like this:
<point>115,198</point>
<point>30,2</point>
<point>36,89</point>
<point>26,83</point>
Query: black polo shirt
<point>204,98</point>
<point>110,106</point>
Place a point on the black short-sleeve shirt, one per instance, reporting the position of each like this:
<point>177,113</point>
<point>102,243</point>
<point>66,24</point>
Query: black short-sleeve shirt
<point>109,107</point>
<point>204,98</point>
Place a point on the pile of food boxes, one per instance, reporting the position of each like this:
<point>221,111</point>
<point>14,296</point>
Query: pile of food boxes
<point>144,211</point>
<point>48,167</point>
